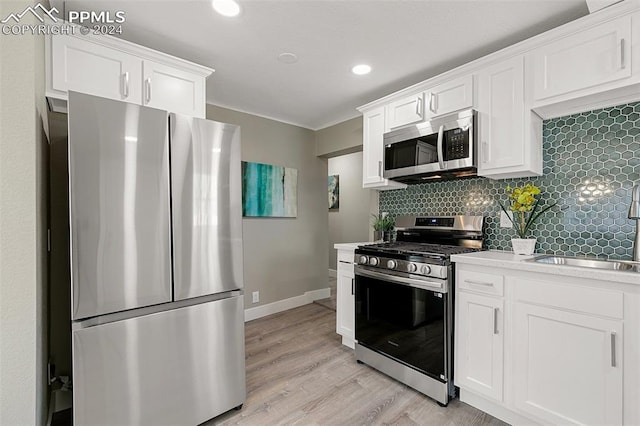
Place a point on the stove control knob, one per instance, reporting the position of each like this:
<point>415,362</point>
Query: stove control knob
<point>412,267</point>
<point>374,261</point>
<point>424,269</point>
<point>363,260</point>
<point>392,264</point>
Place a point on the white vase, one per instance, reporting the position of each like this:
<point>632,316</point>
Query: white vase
<point>524,246</point>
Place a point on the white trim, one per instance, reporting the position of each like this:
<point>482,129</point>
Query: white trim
<point>495,409</point>
<point>142,52</point>
<point>286,304</point>
<point>255,114</point>
<point>333,273</point>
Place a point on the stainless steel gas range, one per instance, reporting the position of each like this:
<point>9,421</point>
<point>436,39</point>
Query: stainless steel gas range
<point>404,301</point>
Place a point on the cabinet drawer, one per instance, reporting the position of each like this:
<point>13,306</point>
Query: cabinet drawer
<point>480,282</point>
<point>346,269</point>
<point>345,256</point>
<point>579,299</point>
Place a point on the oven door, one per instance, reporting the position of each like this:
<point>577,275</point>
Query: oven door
<point>403,321</point>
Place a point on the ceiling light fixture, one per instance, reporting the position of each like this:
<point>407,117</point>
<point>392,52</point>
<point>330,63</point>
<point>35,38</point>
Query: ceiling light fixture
<point>226,7</point>
<point>288,58</point>
<point>361,69</point>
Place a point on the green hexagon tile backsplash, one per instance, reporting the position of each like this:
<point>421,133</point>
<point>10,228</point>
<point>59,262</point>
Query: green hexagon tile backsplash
<point>591,162</point>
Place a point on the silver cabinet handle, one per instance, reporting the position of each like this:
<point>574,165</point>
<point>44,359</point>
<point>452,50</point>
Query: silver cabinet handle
<point>495,320</point>
<point>613,348</point>
<point>125,84</point>
<point>380,168</point>
<point>440,152</point>
<point>147,85</point>
<point>485,152</point>
<point>419,106</point>
<point>432,102</point>
<point>621,62</point>
<point>479,283</point>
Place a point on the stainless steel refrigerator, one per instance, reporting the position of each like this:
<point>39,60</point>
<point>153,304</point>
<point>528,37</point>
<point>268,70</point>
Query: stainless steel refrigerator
<point>155,248</point>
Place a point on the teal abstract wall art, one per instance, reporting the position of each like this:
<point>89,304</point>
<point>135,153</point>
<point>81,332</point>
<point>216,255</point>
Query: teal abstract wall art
<point>269,191</point>
<point>334,192</point>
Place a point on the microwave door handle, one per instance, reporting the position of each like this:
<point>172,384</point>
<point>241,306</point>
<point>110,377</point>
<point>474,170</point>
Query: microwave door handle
<point>440,153</point>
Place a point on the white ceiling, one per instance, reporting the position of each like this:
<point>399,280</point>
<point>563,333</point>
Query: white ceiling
<point>404,41</point>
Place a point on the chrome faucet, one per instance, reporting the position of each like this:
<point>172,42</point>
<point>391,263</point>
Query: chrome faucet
<point>634,213</point>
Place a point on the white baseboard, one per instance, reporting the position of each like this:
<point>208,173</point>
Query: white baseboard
<point>333,273</point>
<point>286,304</point>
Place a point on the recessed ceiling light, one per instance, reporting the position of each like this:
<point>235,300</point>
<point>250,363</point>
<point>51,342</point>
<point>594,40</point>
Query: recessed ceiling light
<point>361,69</point>
<point>226,7</point>
<point>288,58</point>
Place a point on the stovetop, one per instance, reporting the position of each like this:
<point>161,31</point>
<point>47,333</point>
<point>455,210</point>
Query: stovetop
<point>419,249</point>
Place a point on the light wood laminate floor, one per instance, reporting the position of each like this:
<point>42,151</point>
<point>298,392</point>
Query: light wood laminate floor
<point>299,373</point>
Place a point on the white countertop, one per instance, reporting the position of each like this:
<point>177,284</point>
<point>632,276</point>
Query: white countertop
<point>508,260</point>
<point>350,246</point>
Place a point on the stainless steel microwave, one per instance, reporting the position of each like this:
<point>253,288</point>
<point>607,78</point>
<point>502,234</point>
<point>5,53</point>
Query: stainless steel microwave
<point>442,148</point>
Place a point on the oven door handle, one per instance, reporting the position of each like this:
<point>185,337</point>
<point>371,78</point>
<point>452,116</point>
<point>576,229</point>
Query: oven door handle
<point>426,285</point>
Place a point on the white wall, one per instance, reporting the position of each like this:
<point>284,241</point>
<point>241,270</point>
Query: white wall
<point>339,139</point>
<point>283,257</point>
<point>351,222</point>
<point>22,212</point>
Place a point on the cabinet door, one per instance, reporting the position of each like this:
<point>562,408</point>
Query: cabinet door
<point>373,152</point>
<point>90,68</point>
<point>479,346</point>
<point>567,366</point>
<point>501,115</point>
<point>449,97</point>
<point>587,59</point>
<point>406,111</point>
<point>173,90</point>
<point>345,301</point>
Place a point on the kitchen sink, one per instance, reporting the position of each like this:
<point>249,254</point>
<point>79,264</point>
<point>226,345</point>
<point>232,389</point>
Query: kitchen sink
<point>586,262</point>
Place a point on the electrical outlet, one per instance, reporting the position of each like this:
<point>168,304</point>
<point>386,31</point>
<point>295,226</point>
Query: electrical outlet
<point>256,296</point>
<point>505,221</point>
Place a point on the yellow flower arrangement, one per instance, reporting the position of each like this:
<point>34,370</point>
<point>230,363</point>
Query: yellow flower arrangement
<point>524,206</point>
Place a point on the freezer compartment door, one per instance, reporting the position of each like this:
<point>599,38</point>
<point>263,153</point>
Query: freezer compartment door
<point>207,206</point>
<point>178,367</point>
<point>118,206</point>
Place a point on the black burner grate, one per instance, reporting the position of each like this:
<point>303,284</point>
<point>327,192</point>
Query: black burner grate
<point>422,249</point>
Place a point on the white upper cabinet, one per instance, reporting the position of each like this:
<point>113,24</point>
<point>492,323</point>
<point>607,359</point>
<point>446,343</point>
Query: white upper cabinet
<point>442,99</point>
<point>111,68</point>
<point>373,151</point>
<point>448,97</point>
<point>165,85</point>
<point>584,60</point>
<point>510,136</point>
<point>405,111</point>
<point>94,69</point>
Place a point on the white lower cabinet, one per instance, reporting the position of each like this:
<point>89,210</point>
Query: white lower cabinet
<point>567,366</point>
<point>479,344</point>
<point>540,348</point>
<point>345,298</point>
